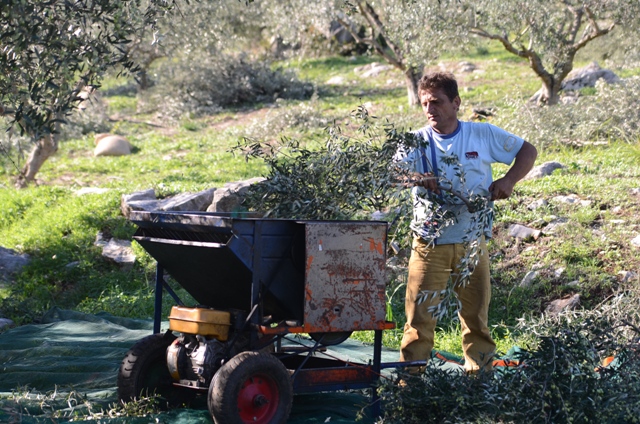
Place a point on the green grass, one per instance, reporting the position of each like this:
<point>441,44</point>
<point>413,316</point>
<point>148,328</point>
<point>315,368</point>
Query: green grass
<point>57,228</point>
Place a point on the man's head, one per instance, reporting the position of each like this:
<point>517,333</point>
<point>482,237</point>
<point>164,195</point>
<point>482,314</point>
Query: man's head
<point>440,101</point>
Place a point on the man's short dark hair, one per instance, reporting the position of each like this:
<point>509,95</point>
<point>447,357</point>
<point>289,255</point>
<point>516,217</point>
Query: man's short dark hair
<point>435,80</point>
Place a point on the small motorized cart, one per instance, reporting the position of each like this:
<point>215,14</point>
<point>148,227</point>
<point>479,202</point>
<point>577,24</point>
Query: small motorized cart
<point>257,282</point>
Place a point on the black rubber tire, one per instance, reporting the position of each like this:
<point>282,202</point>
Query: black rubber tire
<point>144,372</point>
<point>253,387</point>
<point>331,339</point>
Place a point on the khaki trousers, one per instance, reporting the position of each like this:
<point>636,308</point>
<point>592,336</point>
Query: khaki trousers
<point>429,269</point>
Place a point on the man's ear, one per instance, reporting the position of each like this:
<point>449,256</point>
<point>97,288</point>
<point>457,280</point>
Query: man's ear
<point>457,101</point>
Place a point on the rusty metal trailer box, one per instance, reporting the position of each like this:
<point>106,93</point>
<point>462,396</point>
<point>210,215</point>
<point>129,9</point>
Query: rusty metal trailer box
<point>325,276</point>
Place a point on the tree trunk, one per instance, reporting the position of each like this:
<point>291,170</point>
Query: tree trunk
<point>549,93</point>
<point>42,150</point>
<point>411,78</point>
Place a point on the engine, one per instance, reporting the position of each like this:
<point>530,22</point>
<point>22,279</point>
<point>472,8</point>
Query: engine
<point>193,359</point>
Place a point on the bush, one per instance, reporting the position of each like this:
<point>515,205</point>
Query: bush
<point>612,113</point>
<point>282,120</point>
<point>215,82</point>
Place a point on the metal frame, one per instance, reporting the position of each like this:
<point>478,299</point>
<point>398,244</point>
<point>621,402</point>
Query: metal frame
<point>312,372</point>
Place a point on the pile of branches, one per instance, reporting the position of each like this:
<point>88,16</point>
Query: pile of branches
<point>564,376</point>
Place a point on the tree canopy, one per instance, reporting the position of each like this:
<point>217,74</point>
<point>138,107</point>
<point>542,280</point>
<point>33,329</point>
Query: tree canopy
<point>50,51</point>
<point>548,34</point>
<point>405,34</point>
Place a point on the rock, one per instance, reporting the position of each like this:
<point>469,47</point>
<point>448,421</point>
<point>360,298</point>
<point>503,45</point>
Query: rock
<point>636,241</point>
<point>558,272</point>
<point>635,191</point>
<point>136,201</point>
<point>466,67</point>
<point>146,201</point>
<point>587,77</point>
<point>111,145</point>
<point>529,278</point>
<point>543,170</point>
<point>522,232</point>
<point>626,276</point>
<point>554,225</point>
<point>371,70</point>
<point>540,203</point>
<point>120,252</point>
<point>559,305</point>
<point>100,241</point>
<point>229,198</point>
<point>6,323</point>
<point>11,263</point>
<point>337,80</point>
<point>571,199</point>
<point>188,201</point>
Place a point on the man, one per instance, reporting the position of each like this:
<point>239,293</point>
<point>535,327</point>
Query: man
<point>452,167</point>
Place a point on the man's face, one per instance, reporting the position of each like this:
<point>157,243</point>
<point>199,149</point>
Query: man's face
<point>441,112</point>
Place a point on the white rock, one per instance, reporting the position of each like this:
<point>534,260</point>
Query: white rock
<point>111,145</point>
<point>537,204</point>
<point>543,170</point>
<point>337,80</point>
<point>522,232</point>
<point>529,278</point>
<point>555,225</point>
<point>120,252</point>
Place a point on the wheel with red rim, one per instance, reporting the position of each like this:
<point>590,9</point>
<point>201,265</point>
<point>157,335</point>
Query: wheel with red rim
<point>253,387</point>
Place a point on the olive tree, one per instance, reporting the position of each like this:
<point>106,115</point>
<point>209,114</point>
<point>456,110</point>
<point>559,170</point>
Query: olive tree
<point>51,51</point>
<point>548,33</point>
<point>405,34</point>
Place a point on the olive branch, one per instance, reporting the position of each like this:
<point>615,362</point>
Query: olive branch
<point>356,174</point>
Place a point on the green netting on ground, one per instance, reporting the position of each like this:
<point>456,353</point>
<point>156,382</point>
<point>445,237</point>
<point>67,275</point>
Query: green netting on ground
<point>69,364</point>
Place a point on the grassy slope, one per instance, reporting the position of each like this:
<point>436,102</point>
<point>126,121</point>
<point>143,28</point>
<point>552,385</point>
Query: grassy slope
<point>58,228</point>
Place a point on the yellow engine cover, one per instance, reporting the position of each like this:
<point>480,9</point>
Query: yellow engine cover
<point>201,321</point>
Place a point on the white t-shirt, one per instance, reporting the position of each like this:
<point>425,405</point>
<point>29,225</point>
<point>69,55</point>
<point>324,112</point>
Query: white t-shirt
<point>463,162</point>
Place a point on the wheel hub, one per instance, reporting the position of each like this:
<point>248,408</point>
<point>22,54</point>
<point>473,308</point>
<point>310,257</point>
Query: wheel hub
<point>258,400</point>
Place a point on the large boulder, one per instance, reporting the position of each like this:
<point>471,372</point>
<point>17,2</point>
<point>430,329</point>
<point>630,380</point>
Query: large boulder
<point>146,201</point>
<point>230,197</point>
<point>587,77</point>
<point>111,145</point>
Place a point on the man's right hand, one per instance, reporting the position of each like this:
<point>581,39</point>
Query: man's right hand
<point>426,180</point>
